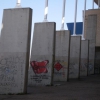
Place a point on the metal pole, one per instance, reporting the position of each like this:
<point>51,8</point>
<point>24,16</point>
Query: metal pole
<point>46,11</point>
<point>63,15</point>
<point>18,3</point>
<point>84,20</point>
<point>92,4</point>
<point>74,32</point>
<point>1,28</point>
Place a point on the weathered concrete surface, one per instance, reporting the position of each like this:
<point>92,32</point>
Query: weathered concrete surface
<point>84,57</point>
<point>97,60</point>
<point>92,12</point>
<point>91,36</point>
<point>62,55</point>
<point>14,50</point>
<point>75,52</point>
<point>42,55</point>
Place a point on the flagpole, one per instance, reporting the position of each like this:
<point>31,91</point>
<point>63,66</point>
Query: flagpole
<point>84,20</point>
<point>63,15</point>
<point>74,32</point>
<point>92,4</point>
<point>18,3</point>
<point>46,11</point>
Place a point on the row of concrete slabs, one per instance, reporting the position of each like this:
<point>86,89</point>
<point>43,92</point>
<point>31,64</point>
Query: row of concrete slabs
<point>55,55</point>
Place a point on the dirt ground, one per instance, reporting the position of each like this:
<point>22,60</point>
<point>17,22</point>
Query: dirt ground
<point>87,88</point>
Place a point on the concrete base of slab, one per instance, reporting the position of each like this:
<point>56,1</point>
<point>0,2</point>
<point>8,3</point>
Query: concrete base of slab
<point>84,58</point>
<point>12,73</point>
<point>42,76</point>
<point>61,56</point>
<point>75,52</point>
<point>42,55</point>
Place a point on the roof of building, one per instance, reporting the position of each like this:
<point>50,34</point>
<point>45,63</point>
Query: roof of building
<point>96,1</point>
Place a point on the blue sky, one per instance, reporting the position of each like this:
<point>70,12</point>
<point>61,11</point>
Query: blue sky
<point>55,10</point>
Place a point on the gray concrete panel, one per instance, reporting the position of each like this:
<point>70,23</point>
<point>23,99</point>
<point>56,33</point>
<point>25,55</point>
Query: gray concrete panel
<point>14,50</point>
<point>75,52</point>
<point>91,36</point>
<point>42,55</point>
<point>62,55</point>
<point>84,57</point>
<point>91,58</point>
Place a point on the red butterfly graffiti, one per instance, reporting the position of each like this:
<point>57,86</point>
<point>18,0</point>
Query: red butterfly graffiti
<point>39,67</point>
<point>58,66</point>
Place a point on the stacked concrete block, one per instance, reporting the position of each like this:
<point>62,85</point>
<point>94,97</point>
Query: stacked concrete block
<point>75,54</point>
<point>91,36</point>
<point>62,55</point>
<point>42,55</point>
<point>14,50</point>
<point>84,57</point>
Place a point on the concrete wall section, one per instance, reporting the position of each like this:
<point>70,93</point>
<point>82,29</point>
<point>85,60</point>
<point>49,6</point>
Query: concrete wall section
<point>92,12</point>
<point>42,55</point>
<point>91,36</point>
<point>75,52</point>
<point>14,50</point>
<point>97,60</point>
<point>84,57</point>
<point>91,27</point>
<point>61,55</point>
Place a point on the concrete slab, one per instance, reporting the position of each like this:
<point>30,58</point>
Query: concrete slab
<point>75,52</point>
<point>62,55</point>
<point>91,36</point>
<point>14,50</point>
<point>84,57</point>
<point>42,55</point>
<point>91,58</point>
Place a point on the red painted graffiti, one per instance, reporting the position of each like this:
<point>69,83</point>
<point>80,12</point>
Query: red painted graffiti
<point>58,66</point>
<point>39,67</point>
